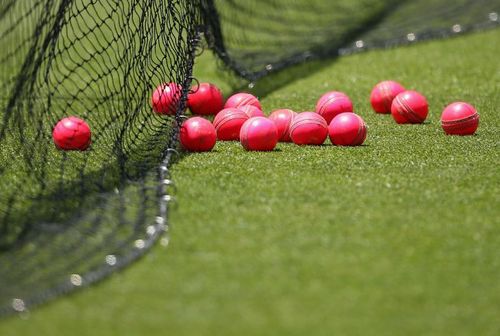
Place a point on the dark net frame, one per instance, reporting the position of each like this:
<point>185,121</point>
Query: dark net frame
<point>68,220</point>
<point>72,218</point>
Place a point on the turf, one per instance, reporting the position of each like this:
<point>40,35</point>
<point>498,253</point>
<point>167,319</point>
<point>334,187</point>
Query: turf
<point>399,236</point>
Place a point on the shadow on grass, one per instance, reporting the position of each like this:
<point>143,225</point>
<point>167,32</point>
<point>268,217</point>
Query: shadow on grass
<point>306,62</point>
<point>43,200</point>
<point>277,80</point>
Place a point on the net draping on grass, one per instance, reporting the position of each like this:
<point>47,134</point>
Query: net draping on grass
<point>263,36</point>
<point>68,219</point>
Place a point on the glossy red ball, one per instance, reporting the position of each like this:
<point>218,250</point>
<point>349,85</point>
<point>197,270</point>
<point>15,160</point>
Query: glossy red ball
<point>347,129</point>
<point>197,135</point>
<point>308,128</point>
<point>460,118</point>
<point>206,99</point>
<point>383,94</point>
<point>283,119</point>
<point>259,134</point>
<point>332,103</point>
<point>166,98</point>
<point>228,123</point>
<point>409,107</point>
<point>72,133</point>
<point>242,99</point>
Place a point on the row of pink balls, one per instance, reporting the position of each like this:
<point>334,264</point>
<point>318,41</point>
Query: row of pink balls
<point>405,106</point>
<point>411,107</point>
<point>241,118</point>
<point>259,133</point>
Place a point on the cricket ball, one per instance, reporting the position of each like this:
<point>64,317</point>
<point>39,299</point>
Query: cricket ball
<point>259,134</point>
<point>347,129</point>
<point>383,94</point>
<point>332,103</point>
<point>252,111</point>
<point>283,119</point>
<point>205,99</point>
<point>228,123</point>
<point>409,107</point>
<point>460,118</point>
<point>166,97</point>
<point>242,99</point>
<point>72,133</point>
<point>198,135</point>
<point>308,128</point>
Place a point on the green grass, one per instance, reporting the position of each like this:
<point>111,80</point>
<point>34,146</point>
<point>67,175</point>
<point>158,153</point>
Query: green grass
<point>397,237</point>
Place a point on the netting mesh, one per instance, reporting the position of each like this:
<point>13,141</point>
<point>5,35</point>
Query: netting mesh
<point>68,219</point>
<point>265,36</point>
<point>65,214</point>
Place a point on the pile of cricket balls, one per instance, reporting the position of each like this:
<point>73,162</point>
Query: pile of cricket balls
<point>240,118</point>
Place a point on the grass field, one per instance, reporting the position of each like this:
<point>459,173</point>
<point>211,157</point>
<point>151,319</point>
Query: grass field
<point>398,237</point>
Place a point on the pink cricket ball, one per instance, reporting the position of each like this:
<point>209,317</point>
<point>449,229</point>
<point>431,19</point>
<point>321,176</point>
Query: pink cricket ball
<point>383,94</point>
<point>332,103</point>
<point>409,107</point>
<point>206,99</point>
<point>308,128</point>
<point>252,111</point>
<point>242,99</point>
<point>347,129</point>
<point>198,135</point>
<point>460,119</point>
<point>283,119</point>
<point>228,123</point>
<point>166,97</point>
<point>72,133</point>
<point>259,134</point>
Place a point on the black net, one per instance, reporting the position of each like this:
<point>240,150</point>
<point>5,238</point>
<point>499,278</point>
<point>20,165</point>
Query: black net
<point>265,36</point>
<point>68,219</point>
